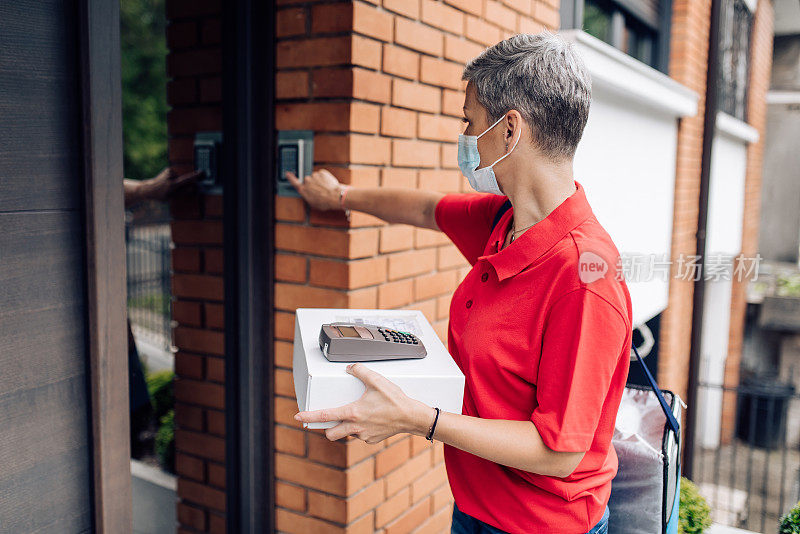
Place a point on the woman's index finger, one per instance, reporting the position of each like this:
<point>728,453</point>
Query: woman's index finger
<point>292,178</point>
<point>322,416</point>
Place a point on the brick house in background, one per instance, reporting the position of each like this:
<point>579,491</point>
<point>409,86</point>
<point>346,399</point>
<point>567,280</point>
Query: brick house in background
<point>378,82</point>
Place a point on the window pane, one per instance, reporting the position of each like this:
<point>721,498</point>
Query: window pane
<point>640,44</point>
<point>597,21</point>
<point>633,19</point>
<point>734,48</point>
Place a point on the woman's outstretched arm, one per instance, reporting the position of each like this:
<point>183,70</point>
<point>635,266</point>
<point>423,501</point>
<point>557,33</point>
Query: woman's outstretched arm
<point>321,190</point>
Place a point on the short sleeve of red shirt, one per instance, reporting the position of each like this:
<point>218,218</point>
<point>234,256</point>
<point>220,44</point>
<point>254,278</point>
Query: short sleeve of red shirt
<point>581,348</point>
<point>466,219</point>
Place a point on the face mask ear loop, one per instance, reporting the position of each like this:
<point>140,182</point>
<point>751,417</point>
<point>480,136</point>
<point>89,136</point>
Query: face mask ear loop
<point>507,153</point>
<point>490,127</point>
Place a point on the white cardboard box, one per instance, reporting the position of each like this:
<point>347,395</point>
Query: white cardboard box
<point>435,379</point>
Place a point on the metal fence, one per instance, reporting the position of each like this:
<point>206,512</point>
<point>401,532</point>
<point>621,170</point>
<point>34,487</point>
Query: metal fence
<point>147,236</point>
<point>749,471</point>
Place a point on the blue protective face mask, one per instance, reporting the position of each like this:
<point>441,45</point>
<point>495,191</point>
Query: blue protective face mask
<point>482,180</point>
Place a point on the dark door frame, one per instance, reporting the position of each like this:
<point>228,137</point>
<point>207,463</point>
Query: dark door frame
<point>101,140</point>
<point>248,159</point>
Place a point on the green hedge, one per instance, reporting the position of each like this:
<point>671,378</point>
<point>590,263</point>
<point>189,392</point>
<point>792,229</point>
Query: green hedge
<point>165,441</point>
<point>159,384</point>
<point>695,514</point>
<point>790,523</point>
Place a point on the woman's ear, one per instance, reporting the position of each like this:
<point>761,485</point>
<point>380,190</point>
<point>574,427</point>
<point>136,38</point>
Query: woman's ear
<point>514,124</point>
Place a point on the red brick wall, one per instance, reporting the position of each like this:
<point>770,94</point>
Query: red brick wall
<point>688,64</point>
<point>760,67</point>
<point>194,66</point>
<point>380,86</point>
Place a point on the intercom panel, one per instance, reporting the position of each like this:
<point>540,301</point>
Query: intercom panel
<point>207,158</point>
<point>296,155</point>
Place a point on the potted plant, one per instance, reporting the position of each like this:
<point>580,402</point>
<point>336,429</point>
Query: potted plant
<point>695,514</point>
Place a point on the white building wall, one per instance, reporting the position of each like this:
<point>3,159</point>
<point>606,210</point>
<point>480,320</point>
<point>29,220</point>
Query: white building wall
<point>626,161</point>
<point>723,239</point>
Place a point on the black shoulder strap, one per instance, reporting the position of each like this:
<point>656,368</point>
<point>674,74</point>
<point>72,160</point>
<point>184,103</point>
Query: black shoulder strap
<point>504,208</point>
<point>671,421</point>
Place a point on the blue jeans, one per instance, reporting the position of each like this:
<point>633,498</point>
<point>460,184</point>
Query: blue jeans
<point>466,524</point>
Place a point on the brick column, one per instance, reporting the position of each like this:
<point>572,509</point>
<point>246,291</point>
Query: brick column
<point>688,65</point>
<point>381,89</point>
<point>194,65</point>
<point>758,85</point>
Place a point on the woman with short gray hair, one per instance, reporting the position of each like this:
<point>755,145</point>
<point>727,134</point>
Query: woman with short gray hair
<point>540,326</point>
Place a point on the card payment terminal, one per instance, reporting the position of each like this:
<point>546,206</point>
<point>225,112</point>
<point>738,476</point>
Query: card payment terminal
<point>347,342</point>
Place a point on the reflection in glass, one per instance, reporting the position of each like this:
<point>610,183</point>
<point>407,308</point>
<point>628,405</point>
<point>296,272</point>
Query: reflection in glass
<point>597,21</point>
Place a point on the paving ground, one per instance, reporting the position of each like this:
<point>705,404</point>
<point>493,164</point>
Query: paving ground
<point>153,500</point>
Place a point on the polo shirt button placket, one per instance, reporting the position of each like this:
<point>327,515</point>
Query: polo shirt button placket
<point>484,277</point>
<point>469,303</point>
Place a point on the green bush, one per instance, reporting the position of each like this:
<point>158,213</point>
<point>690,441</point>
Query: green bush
<point>159,385</point>
<point>790,523</point>
<point>695,514</point>
<point>165,441</point>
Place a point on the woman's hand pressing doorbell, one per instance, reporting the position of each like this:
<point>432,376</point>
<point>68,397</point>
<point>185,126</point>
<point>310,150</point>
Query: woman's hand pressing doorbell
<point>320,189</point>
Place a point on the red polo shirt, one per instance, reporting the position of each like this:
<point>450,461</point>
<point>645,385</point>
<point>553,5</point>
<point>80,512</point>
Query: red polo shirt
<point>542,333</point>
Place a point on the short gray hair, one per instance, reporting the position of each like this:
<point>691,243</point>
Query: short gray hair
<point>544,78</point>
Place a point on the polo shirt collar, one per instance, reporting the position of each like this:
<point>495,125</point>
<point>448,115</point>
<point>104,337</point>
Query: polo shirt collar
<point>538,239</point>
